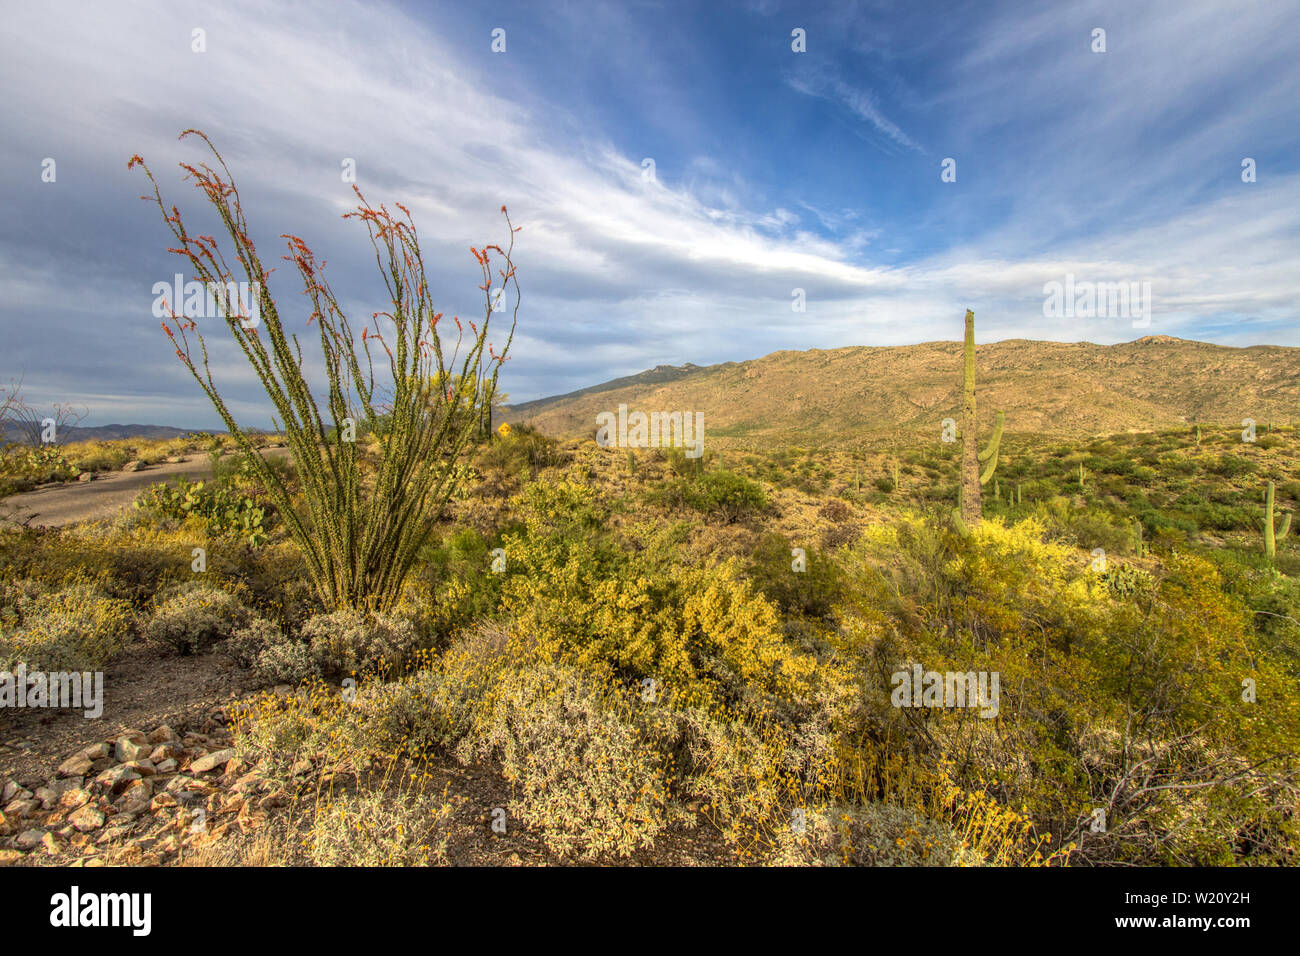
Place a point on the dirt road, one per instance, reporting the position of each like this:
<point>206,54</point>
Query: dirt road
<point>55,505</point>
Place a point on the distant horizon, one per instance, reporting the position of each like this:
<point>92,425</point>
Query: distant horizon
<point>215,425</point>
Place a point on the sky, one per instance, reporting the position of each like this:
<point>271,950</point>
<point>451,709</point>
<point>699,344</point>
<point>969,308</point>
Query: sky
<point>678,171</point>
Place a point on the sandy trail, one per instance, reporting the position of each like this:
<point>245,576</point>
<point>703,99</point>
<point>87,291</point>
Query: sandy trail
<point>55,505</point>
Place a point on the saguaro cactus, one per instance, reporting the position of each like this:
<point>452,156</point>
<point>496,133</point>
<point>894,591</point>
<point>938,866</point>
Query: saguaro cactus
<point>1271,538</point>
<point>971,510</point>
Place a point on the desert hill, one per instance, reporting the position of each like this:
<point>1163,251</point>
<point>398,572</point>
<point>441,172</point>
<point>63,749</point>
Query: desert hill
<point>1071,389</point>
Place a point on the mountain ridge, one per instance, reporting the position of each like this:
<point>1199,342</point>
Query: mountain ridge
<point>1066,388</point>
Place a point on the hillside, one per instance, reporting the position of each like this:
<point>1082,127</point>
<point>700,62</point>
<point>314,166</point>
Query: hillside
<point>1070,389</point>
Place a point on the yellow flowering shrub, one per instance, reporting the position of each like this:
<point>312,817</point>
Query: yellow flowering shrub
<point>75,627</point>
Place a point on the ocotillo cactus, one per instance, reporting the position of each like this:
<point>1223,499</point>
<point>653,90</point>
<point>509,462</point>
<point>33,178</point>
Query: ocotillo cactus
<point>1271,538</point>
<point>1140,547</point>
<point>971,512</point>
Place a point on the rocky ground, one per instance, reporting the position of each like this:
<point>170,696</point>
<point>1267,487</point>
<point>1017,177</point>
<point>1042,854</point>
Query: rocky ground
<point>156,792</point>
<point>136,798</point>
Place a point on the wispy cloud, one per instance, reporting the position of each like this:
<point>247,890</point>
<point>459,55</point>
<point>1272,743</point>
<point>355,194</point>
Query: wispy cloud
<point>861,103</point>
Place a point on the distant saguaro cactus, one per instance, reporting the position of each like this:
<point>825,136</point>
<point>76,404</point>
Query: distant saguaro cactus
<point>1271,538</point>
<point>971,511</point>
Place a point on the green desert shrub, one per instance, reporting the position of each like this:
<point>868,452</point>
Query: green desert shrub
<point>194,617</point>
<point>98,456</point>
<point>349,642</point>
<point>814,591</point>
<point>522,451</point>
<point>273,656</point>
<point>722,494</point>
<point>218,506</point>
<point>456,575</point>
<point>583,776</point>
<point>75,627</point>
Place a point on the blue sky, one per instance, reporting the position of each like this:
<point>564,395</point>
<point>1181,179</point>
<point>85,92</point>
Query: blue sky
<point>774,170</point>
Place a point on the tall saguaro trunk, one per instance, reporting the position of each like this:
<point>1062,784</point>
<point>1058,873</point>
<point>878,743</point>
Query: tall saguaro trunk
<point>971,509</point>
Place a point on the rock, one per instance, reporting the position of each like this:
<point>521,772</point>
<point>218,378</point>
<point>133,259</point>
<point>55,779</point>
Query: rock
<point>78,765</point>
<point>144,768</point>
<point>14,791</point>
<point>236,766</point>
<point>167,766</point>
<point>72,799</point>
<point>95,752</point>
<point>162,735</point>
<point>179,783</point>
<point>162,801</point>
<point>47,797</point>
<point>87,818</point>
<point>86,476</point>
<point>164,751</point>
<point>300,766</point>
<point>29,839</point>
<point>67,783</point>
<point>249,781</point>
<point>135,799</point>
<point>211,761</point>
<point>136,465</point>
<point>127,750</point>
<point>22,808</point>
<point>116,779</point>
<point>52,843</point>
<point>278,798</point>
<point>232,803</point>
